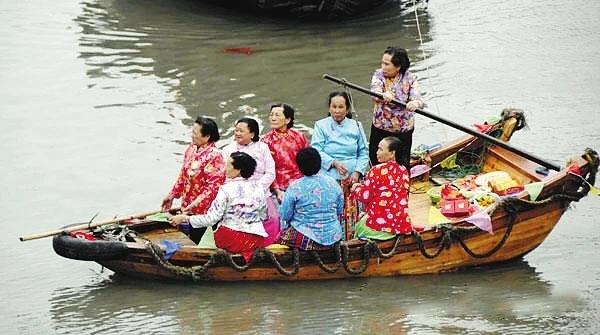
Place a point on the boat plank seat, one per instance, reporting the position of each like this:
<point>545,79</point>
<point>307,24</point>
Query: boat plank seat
<point>171,234</point>
<point>518,167</point>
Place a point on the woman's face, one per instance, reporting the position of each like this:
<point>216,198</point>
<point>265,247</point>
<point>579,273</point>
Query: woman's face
<point>383,152</point>
<point>197,137</point>
<point>230,171</point>
<point>278,119</point>
<point>242,134</point>
<point>389,69</point>
<point>338,108</point>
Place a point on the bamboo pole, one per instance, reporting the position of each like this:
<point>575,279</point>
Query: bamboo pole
<point>451,124</point>
<point>87,226</point>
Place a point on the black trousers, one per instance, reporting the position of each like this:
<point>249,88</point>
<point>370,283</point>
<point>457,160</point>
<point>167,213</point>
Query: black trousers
<point>197,233</point>
<point>377,135</point>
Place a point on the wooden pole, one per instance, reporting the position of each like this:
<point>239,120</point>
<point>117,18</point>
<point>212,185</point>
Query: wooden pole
<point>451,124</point>
<point>86,226</point>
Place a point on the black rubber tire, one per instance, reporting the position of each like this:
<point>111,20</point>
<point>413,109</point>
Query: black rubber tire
<point>84,250</point>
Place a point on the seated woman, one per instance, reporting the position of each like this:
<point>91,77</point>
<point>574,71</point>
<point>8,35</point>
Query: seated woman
<point>311,207</point>
<point>201,175</point>
<point>247,140</point>
<point>385,193</point>
<point>284,143</point>
<point>341,141</point>
<point>239,209</point>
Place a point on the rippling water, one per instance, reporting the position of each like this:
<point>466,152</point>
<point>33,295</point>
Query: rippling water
<point>98,97</point>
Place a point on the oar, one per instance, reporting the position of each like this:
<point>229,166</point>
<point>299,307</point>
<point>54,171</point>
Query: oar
<point>87,226</point>
<point>451,124</point>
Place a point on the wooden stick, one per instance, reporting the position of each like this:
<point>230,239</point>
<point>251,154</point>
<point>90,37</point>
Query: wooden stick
<point>87,226</point>
<point>451,124</point>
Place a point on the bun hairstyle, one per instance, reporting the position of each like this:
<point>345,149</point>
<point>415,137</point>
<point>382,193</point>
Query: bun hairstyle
<point>288,113</point>
<point>394,145</point>
<point>346,99</point>
<point>399,58</point>
<point>243,162</point>
<point>208,128</point>
<point>252,126</point>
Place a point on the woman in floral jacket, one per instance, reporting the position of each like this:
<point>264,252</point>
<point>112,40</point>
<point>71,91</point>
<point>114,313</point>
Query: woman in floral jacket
<point>239,209</point>
<point>201,175</point>
<point>284,143</point>
<point>385,193</point>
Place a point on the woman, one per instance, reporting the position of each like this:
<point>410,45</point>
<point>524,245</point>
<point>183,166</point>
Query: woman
<point>284,143</point>
<point>201,175</point>
<point>385,193</point>
<point>341,141</point>
<point>311,207</point>
<point>239,209</point>
<point>394,81</point>
<point>246,140</point>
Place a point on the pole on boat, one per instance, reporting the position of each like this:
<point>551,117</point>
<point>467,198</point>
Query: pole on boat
<point>87,226</point>
<point>451,124</point>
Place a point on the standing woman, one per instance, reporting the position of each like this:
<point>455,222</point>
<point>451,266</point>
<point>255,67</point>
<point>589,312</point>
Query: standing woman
<point>385,193</point>
<point>247,140</point>
<point>284,144</point>
<point>341,141</point>
<point>394,81</point>
<point>201,175</point>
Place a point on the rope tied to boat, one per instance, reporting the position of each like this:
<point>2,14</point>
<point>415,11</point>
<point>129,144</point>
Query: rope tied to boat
<point>450,233</point>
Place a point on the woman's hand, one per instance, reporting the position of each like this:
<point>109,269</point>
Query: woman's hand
<point>166,203</point>
<point>354,186</point>
<point>178,219</point>
<point>278,194</point>
<point>341,168</point>
<point>188,208</point>
<point>388,97</point>
<point>414,105</point>
<point>354,178</point>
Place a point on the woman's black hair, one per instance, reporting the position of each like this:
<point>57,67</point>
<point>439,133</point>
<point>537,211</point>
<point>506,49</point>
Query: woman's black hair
<point>399,58</point>
<point>243,162</point>
<point>288,113</point>
<point>252,126</point>
<point>346,99</point>
<point>208,128</point>
<point>309,161</point>
<point>394,145</point>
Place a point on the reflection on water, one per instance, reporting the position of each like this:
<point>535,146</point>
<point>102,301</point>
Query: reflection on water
<point>501,299</point>
<point>183,42</point>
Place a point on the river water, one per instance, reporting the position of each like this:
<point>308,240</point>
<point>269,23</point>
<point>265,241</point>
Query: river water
<point>97,102</point>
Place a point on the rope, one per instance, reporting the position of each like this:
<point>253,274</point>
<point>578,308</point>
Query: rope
<point>365,259</point>
<point>338,263</point>
<point>280,268</point>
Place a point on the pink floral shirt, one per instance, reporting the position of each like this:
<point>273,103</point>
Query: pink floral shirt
<point>202,173</point>
<point>385,192</point>
<point>391,117</point>
<point>284,146</point>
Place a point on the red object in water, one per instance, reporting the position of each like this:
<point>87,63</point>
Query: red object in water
<point>240,50</point>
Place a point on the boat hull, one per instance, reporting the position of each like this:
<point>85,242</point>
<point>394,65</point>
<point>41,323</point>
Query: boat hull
<point>528,233</point>
<point>310,8</point>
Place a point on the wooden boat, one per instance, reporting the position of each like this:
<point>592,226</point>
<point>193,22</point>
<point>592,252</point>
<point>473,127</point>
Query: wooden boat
<point>519,226</point>
<point>313,8</point>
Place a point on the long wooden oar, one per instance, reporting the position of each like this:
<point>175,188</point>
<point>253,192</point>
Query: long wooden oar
<point>87,226</point>
<point>451,124</point>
